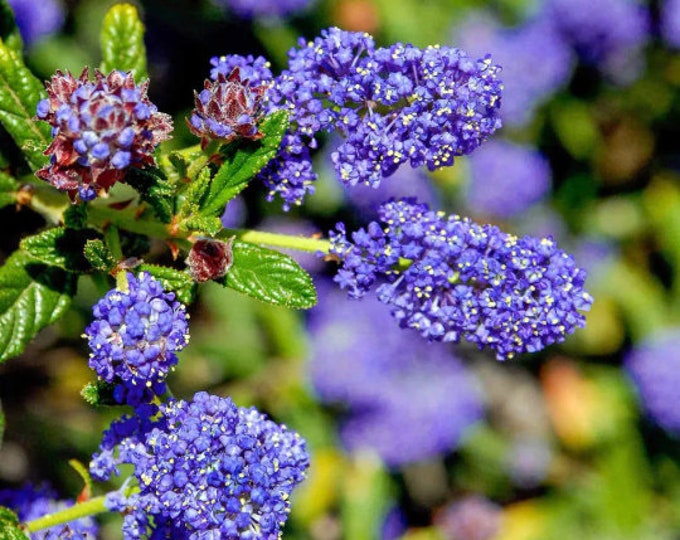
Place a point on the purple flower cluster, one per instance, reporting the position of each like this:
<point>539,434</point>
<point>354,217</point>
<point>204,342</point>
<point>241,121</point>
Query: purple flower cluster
<point>450,278</point>
<point>392,106</point>
<point>249,9</point>
<point>100,128</point>
<point>134,337</point>
<point>506,179</point>
<point>31,502</point>
<point>206,469</point>
<point>654,366</point>
<point>226,109</point>
<point>670,22</point>
<point>407,399</point>
<point>37,18</point>
<point>536,62</point>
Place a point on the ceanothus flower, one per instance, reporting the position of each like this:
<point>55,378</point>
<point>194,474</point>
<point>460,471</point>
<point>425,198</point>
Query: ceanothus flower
<point>670,22</point>
<point>506,179</point>
<point>100,128</point>
<point>392,106</point>
<point>206,469</point>
<point>135,336</point>
<point>654,366</point>
<point>31,502</point>
<point>37,18</point>
<point>408,400</point>
<point>249,9</point>
<point>452,279</point>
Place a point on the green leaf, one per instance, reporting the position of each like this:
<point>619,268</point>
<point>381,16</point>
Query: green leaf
<point>269,276</point>
<point>20,92</point>
<point>203,224</point>
<point>576,127</point>
<point>98,393</point>
<point>75,216</point>
<point>60,247</point>
<point>122,41</point>
<point>174,280</point>
<point>243,160</point>
<point>8,188</point>
<point>154,189</point>
<point>9,526</point>
<point>32,296</point>
<point>9,32</point>
<point>99,255</point>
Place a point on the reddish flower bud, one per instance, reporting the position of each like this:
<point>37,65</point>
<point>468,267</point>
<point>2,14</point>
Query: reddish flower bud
<point>210,259</point>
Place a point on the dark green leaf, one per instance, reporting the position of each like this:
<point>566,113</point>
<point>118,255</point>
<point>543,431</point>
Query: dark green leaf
<point>20,92</point>
<point>174,280</point>
<point>243,160</point>
<point>60,247</point>
<point>9,32</point>
<point>75,216</point>
<point>122,41</point>
<point>32,296</point>
<point>9,526</point>
<point>203,224</point>
<point>154,189</point>
<point>8,188</point>
<point>99,256</point>
<point>269,276</point>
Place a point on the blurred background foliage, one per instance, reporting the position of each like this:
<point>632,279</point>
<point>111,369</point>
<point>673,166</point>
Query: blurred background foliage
<point>561,444</point>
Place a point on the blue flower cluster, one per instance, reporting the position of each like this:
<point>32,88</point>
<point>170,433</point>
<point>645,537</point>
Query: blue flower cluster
<point>206,469</point>
<point>31,502</point>
<point>134,337</point>
<point>654,366</point>
<point>37,18</point>
<point>100,128</point>
<point>506,179</point>
<point>407,400</point>
<point>392,106</point>
<point>450,278</point>
<point>248,9</point>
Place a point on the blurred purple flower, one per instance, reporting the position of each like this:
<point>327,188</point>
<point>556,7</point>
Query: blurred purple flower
<point>234,215</point>
<point>670,22</point>
<point>37,18</point>
<point>471,518</point>
<point>298,227</point>
<point>654,366</point>
<point>536,63</point>
<point>507,179</point>
<point>408,400</point>
<point>609,34</point>
<point>248,9</point>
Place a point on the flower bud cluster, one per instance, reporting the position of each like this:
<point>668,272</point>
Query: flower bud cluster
<point>452,279</point>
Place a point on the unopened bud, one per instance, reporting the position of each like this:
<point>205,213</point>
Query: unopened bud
<point>210,259</point>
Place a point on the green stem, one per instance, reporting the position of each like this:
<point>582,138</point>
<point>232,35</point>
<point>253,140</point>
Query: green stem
<point>299,243</point>
<point>80,510</point>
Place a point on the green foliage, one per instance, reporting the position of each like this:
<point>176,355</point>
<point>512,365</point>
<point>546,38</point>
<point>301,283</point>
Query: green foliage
<point>61,247</point>
<point>99,255</point>
<point>270,276</point>
<point>154,189</point>
<point>242,161</point>
<point>177,281</point>
<point>98,393</point>
<point>8,188</point>
<point>9,33</point>
<point>9,526</point>
<point>75,216</point>
<point>20,92</point>
<point>32,296</point>
<point>189,218</point>
<point>122,41</point>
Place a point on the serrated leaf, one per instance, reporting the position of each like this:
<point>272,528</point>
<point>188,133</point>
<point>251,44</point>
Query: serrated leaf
<point>20,92</point>
<point>243,160</point>
<point>174,280</point>
<point>99,256</point>
<point>9,32</point>
<point>32,296</point>
<point>9,526</point>
<point>75,216</point>
<point>122,41</point>
<point>269,276</point>
<point>194,195</point>
<point>153,189</point>
<point>60,247</point>
<point>204,224</point>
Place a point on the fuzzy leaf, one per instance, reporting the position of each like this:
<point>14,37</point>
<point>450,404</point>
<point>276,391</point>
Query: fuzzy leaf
<point>75,216</point>
<point>9,32</point>
<point>9,526</point>
<point>243,160</point>
<point>32,296</point>
<point>99,256</point>
<point>269,276</point>
<point>20,92</point>
<point>173,280</point>
<point>60,247</point>
<point>122,41</point>
<point>154,189</point>
<point>202,224</point>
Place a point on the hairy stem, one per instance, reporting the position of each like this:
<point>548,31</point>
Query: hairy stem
<point>77,511</point>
